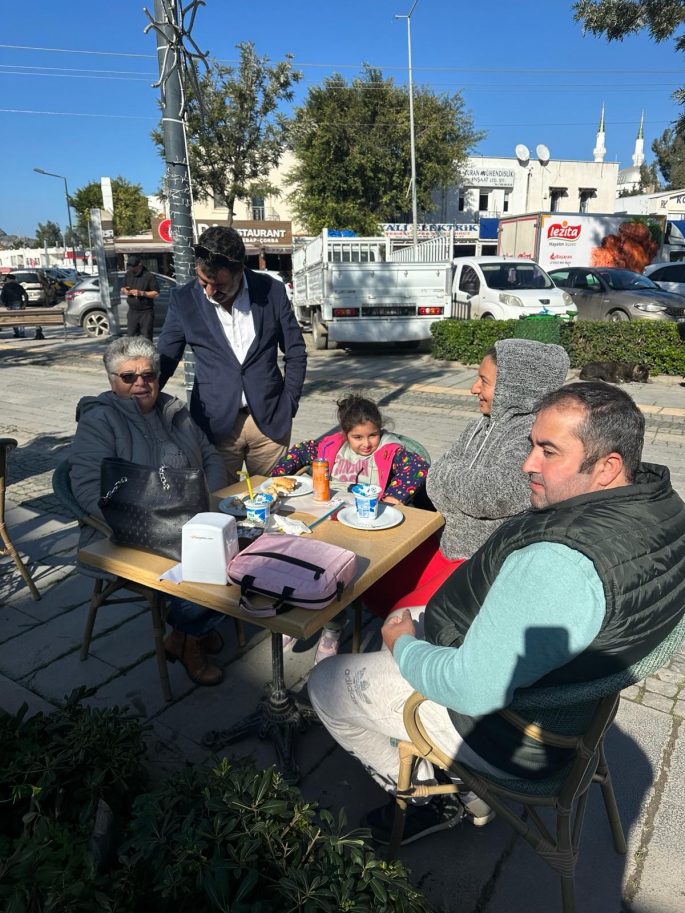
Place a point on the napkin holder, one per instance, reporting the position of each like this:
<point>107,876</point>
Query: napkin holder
<point>209,542</point>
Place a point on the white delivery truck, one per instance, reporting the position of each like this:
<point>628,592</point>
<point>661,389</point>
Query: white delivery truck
<point>561,239</point>
<point>354,290</point>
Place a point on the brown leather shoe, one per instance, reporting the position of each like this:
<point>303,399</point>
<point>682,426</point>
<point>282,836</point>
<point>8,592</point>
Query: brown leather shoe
<point>213,642</point>
<point>191,653</point>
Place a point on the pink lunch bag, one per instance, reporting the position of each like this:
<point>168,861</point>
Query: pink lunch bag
<point>291,571</point>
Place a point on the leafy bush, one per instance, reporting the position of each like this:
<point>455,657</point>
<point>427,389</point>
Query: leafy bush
<point>467,341</point>
<point>232,838</point>
<point>543,329</point>
<point>654,343</point>
<point>657,344</point>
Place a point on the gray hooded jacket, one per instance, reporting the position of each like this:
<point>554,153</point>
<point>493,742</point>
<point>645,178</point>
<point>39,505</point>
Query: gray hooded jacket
<point>479,482</point>
<point>109,426</point>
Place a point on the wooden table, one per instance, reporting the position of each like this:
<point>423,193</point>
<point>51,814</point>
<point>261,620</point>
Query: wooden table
<point>279,713</point>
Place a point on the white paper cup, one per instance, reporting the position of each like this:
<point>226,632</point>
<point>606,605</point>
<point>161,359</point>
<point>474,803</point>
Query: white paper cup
<point>366,501</point>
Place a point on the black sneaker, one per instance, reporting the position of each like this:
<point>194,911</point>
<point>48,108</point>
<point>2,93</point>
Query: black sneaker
<point>437,815</point>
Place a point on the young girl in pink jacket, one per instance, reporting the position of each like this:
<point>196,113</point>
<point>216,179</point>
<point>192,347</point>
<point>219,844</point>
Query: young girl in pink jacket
<point>362,451</point>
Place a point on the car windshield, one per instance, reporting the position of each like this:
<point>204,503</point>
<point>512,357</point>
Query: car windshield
<point>507,276</point>
<point>625,279</point>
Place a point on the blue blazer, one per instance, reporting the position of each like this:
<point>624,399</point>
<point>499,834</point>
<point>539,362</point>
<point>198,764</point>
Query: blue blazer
<point>219,377</point>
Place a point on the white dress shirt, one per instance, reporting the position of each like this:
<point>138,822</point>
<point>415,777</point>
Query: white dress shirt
<point>238,325</point>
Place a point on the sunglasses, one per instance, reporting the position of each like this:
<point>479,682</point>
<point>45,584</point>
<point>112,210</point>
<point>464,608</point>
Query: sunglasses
<point>204,253</point>
<point>130,377</point>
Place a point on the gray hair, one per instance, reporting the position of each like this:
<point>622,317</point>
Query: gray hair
<point>611,423</point>
<point>127,347</point>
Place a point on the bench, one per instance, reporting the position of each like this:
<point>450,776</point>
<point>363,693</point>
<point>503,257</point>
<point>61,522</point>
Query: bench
<point>34,317</point>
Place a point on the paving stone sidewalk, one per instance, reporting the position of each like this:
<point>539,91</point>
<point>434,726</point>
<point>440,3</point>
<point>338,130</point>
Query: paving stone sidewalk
<point>465,870</point>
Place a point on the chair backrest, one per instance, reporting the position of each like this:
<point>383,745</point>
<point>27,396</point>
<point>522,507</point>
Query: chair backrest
<point>414,447</point>
<point>61,485</point>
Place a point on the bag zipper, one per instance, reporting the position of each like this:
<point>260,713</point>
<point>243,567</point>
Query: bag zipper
<point>259,591</point>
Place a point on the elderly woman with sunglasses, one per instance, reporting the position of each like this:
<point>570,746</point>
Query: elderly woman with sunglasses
<point>135,422</point>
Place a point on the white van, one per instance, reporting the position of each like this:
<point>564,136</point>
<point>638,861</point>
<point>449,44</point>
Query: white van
<point>505,288</point>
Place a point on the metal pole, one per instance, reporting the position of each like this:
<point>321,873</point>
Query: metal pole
<point>414,205</point>
<point>71,227</point>
<point>177,170</point>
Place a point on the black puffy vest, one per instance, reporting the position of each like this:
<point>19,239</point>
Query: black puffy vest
<point>635,537</point>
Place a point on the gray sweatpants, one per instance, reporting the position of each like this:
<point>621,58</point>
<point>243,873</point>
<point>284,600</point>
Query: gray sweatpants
<point>360,698</point>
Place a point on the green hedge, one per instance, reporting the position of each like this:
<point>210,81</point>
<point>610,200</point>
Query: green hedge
<point>209,839</point>
<point>657,344</point>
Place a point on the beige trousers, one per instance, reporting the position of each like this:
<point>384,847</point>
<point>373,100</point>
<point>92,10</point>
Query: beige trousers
<point>246,444</point>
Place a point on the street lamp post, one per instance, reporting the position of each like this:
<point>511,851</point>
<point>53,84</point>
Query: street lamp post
<point>66,192</point>
<point>414,207</point>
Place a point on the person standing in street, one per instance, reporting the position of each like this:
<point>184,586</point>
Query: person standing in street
<point>236,320</point>
<point>15,297</point>
<point>141,288</point>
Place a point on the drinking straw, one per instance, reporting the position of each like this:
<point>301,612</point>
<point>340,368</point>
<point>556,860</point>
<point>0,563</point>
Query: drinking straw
<point>244,472</point>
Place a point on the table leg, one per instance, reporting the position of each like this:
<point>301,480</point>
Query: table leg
<point>154,600</point>
<point>278,716</point>
<point>357,632</point>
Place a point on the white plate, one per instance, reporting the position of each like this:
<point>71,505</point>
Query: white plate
<point>305,486</point>
<point>226,507</point>
<point>388,517</point>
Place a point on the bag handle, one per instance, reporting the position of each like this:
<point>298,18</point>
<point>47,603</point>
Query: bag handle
<point>246,585</point>
<point>289,559</point>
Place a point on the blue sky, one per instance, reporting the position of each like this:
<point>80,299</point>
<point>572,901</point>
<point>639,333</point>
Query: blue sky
<point>456,45</point>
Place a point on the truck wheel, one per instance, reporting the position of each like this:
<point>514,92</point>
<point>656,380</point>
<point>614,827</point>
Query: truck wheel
<point>409,344</point>
<point>617,317</point>
<point>318,335</point>
<point>487,317</point>
<point>96,323</point>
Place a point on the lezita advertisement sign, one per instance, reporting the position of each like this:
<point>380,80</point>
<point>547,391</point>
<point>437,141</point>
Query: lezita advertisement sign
<point>584,240</point>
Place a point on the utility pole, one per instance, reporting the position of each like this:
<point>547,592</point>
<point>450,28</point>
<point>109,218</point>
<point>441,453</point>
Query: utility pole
<point>168,26</point>
<point>414,206</point>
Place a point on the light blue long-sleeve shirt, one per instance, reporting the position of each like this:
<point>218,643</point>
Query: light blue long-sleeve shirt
<point>545,607</point>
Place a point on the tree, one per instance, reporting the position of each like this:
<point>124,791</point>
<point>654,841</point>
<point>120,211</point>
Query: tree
<point>241,135</point>
<point>352,149</point>
<point>649,182</point>
<point>131,208</point>
<point>73,239</point>
<point>618,18</point>
<point>50,234</point>
<point>669,150</point>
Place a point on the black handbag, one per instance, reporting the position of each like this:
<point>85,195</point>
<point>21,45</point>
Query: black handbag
<point>146,507</point>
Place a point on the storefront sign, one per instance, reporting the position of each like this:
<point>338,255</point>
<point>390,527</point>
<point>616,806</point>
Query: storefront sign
<point>488,177</point>
<point>464,232</point>
<point>255,234</point>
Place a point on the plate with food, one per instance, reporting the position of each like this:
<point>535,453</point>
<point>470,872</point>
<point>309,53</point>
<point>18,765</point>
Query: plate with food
<point>288,486</point>
<point>387,518</point>
<point>234,506</point>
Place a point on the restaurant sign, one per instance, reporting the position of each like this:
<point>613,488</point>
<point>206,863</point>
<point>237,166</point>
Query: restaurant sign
<point>463,232</point>
<point>255,234</point>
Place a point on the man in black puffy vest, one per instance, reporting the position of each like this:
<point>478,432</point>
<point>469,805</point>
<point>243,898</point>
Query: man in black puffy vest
<point>583,585</point>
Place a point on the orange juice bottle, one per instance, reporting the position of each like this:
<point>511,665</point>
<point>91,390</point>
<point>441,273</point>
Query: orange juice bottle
<point>321,478</point>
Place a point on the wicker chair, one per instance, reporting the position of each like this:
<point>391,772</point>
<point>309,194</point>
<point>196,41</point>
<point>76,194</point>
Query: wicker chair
<point>582,714</point>
<point>7,444</point>
<point>104,590</point>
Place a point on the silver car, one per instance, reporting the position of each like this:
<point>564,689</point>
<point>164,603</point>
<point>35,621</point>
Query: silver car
<point>668,276</point>
<point>615,295</point>
<point>85,308</point>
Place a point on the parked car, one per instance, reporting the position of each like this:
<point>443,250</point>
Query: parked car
<point>608,293</point>
<point>668,276</point>
<point>40,289</point>
<point>499,288</point>
<point>86,310</point>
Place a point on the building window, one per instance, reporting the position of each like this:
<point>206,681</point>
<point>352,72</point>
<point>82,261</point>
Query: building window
<point>505,205</point>
<point>219,200</point>
<point>556,194</point>
<point>483,201</point>
<point>462,201</point>
<point>258,212</point>
<point>584,199</point>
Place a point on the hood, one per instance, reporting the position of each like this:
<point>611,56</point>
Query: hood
<point>168,406</point>
<point>526,371</point>
<point>638,295</point>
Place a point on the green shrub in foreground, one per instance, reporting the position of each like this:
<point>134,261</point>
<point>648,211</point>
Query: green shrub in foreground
<point>657,344</point>
<point>232,838</point>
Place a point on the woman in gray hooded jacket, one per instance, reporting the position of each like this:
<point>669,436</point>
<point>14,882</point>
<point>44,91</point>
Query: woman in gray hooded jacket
<point>479,482</point>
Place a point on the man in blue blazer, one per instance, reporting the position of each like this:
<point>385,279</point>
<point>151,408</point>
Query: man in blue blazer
<point>235,320</point>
